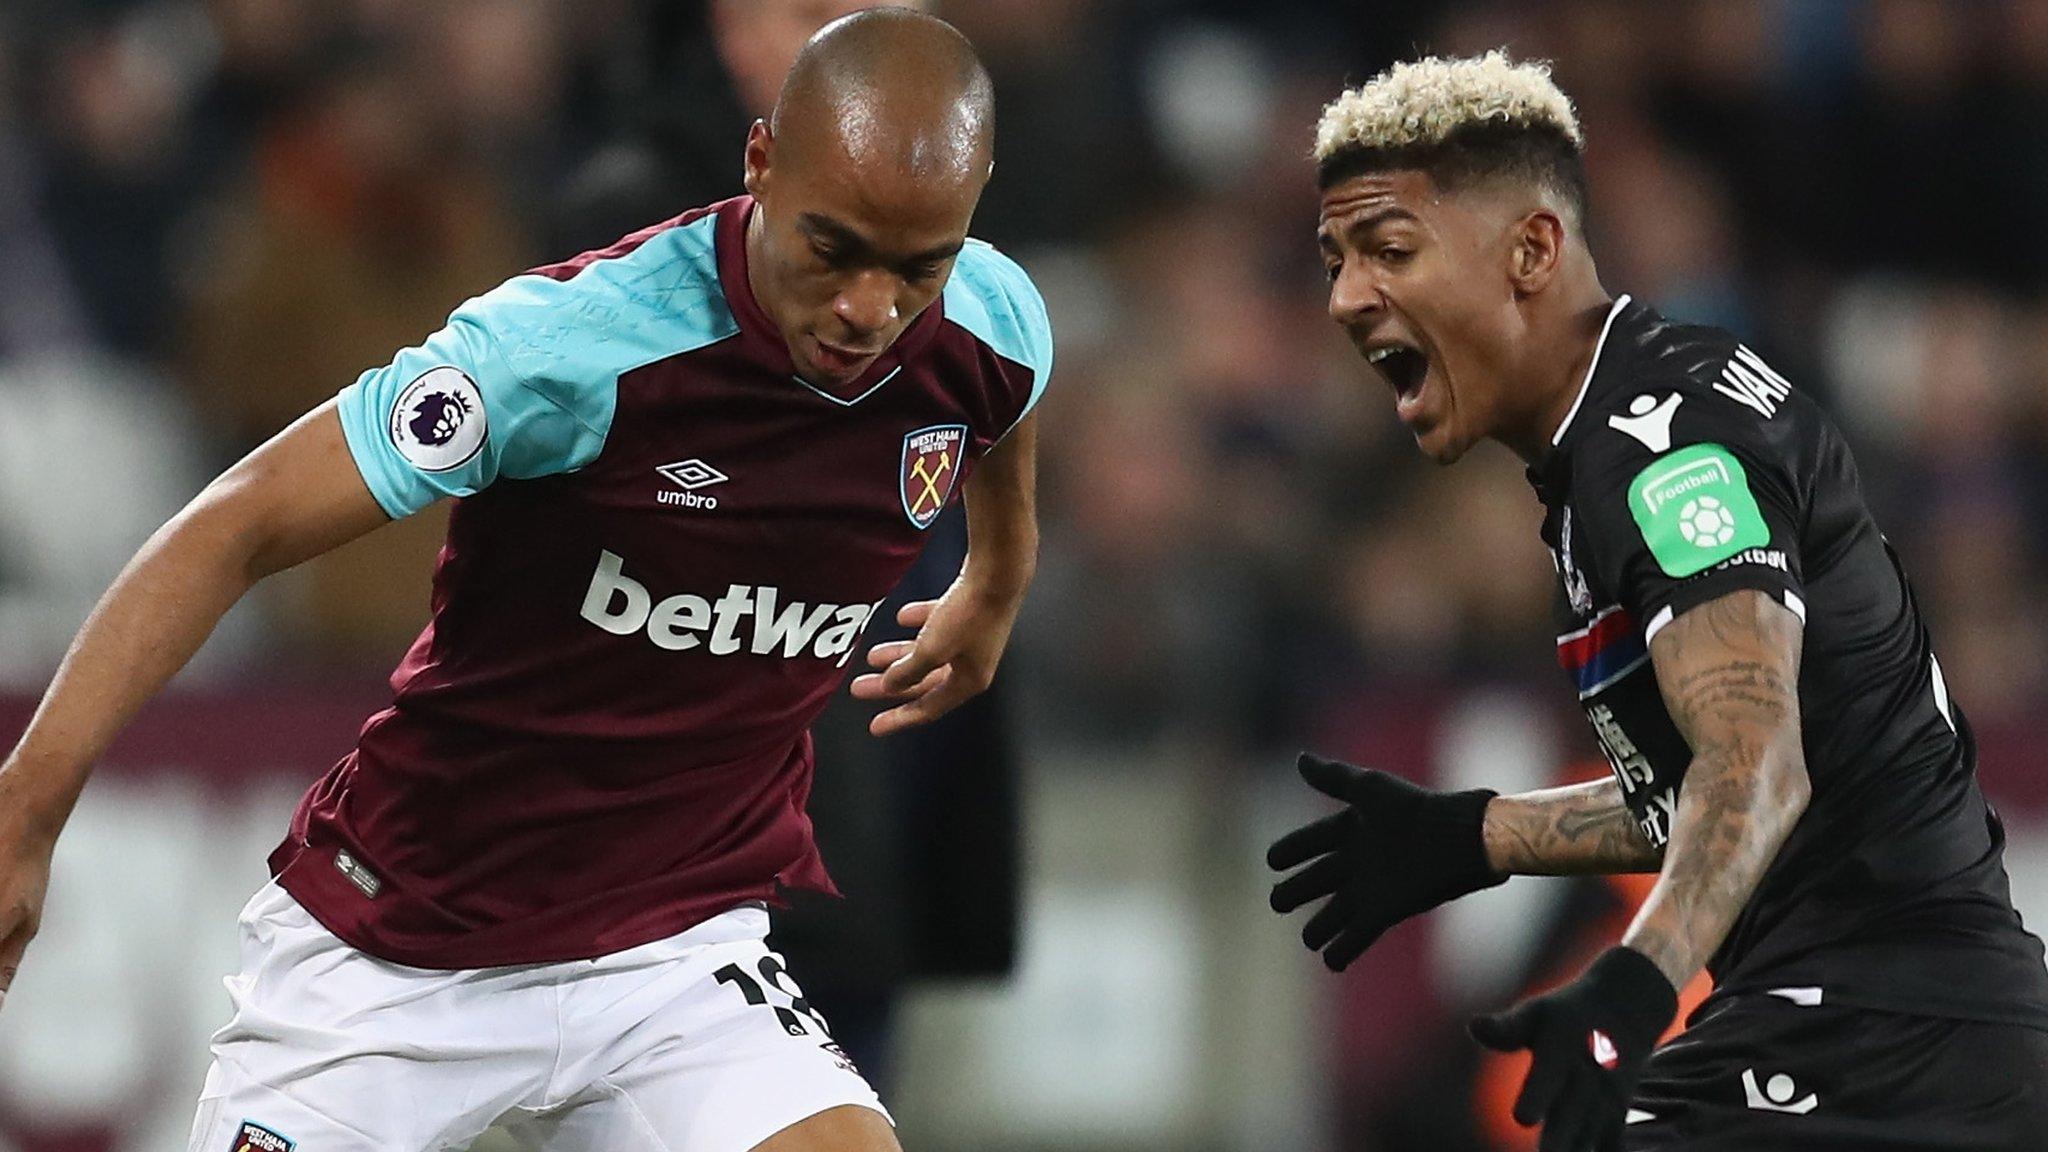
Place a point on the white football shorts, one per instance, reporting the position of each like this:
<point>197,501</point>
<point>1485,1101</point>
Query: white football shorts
<point>698,1043</point>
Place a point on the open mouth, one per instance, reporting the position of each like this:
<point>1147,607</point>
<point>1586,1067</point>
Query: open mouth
<point>1403,366</point>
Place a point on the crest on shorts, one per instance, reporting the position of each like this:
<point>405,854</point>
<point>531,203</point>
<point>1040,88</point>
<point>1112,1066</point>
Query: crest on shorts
<point>931,466</point>
<point>254,1137</point>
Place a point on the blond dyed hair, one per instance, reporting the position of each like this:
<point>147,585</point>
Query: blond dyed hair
<point>1423,103</point>
<point>1460,120</point>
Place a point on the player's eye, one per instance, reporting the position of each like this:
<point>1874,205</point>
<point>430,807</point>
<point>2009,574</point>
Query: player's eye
<point>1395,254</point>
<point>920,273</point>
<point>1332,269</point>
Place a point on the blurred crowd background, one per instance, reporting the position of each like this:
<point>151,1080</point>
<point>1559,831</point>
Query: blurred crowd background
<point>215,213</point>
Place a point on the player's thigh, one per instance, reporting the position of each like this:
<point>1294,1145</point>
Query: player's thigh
<point>731,1059</point>
<point>847,1128</point>
<point>331,1049</point>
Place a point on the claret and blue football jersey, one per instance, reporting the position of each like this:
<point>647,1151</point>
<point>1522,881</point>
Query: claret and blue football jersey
<point>664,551</point>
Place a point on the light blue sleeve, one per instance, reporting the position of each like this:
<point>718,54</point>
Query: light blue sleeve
<point>450,416</point>
<point>523,382</point>
<point>992,297</point>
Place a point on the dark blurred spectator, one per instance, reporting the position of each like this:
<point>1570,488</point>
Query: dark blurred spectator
<point>683,83</point>
<point>353,237</point>
<point>118,173</point>
<point>39,309</point>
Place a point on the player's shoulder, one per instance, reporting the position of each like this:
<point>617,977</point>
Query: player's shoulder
<point>991,296</point>
<point>586,320</point>
<point>1662,385</point>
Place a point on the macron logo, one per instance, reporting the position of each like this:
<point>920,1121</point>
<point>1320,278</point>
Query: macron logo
<point>622,606</point>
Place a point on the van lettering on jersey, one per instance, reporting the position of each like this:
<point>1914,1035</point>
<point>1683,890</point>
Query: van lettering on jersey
<point>1747,380</point>
<point>623,606</point>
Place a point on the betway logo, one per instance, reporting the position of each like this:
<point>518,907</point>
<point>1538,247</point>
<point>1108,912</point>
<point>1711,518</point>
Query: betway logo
<point>622,606</point>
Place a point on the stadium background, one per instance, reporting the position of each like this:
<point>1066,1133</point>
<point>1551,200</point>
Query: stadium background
<point>214,213</point>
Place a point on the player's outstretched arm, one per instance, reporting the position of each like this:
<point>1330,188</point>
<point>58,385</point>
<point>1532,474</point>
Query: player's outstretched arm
<point>295,497</point>
<point>961,635</point>
<point>1729,674</point>
<point>1577,830</point>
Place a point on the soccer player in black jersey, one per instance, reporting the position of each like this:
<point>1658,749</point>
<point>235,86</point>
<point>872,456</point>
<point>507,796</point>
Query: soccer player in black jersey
<point>1786,757</point>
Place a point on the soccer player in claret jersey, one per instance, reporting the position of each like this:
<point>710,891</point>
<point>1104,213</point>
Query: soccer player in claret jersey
<point>1745,644</point>
<point>685,468</point>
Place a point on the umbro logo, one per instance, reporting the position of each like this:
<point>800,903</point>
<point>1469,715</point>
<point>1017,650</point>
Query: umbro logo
<point>689,475</point>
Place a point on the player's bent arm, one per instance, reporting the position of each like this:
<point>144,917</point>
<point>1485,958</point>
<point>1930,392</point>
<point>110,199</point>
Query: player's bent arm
<point>1577,830</point>
<point>293,498</point>
<point>961,635</point>
<point>1729,674</point>
<point>1002,515</point>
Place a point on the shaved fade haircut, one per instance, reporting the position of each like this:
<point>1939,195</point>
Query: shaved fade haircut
<point>1460,120</point>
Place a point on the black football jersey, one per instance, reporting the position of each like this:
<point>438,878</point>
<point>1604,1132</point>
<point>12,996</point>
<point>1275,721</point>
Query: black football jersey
<point>1689,469</point>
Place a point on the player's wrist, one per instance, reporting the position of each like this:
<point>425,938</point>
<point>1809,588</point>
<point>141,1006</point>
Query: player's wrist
<point>1497,841</point>
<point>1456,821</point>
<point>996,584</point>
<point>34,803</point>
<point>1636,991</point>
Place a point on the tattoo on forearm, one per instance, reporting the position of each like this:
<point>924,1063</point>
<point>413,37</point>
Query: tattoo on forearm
<point>1578,830</point>
<point>1729,674</point>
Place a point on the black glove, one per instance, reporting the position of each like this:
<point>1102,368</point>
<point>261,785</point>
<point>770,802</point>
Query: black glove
<point>1394,851</point>
<point>1590,1040</point>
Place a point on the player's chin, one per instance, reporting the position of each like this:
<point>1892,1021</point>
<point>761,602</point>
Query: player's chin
<point>1441,442</point>
<point>824,377</point>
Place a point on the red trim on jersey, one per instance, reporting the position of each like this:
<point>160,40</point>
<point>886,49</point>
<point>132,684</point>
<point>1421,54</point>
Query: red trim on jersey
<point>1580,650</point>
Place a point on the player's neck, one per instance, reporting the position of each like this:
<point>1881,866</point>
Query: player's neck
<point>1557,373</point>
<point>757,266</point>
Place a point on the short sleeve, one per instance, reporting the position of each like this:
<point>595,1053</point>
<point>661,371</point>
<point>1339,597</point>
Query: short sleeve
<point>452,415</point>
<point>1716,510</point>
<point>993,297</point>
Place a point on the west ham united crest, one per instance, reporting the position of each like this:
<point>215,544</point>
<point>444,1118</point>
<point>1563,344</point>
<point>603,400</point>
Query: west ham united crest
<point>254,1137</point>
<point>931,464</point>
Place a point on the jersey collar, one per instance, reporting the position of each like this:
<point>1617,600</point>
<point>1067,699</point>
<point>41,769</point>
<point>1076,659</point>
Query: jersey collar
<point>1543,474</point>
<point>765,341</point>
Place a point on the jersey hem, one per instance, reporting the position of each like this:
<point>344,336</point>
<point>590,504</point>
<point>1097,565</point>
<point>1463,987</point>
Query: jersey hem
<point>2034,1016</point>
<point>300,873</point>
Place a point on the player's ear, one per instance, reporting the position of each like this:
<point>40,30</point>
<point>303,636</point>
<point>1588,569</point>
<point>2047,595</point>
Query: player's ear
<point>760,149</point>
<point>1537,250</point>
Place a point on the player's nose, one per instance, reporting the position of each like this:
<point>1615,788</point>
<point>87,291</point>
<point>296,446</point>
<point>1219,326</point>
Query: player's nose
<point>1354,296</point>
<point>868,304</point>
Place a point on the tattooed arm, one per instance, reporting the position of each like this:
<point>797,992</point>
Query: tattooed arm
<point>1583,829</point>
<point>1729,674</point>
